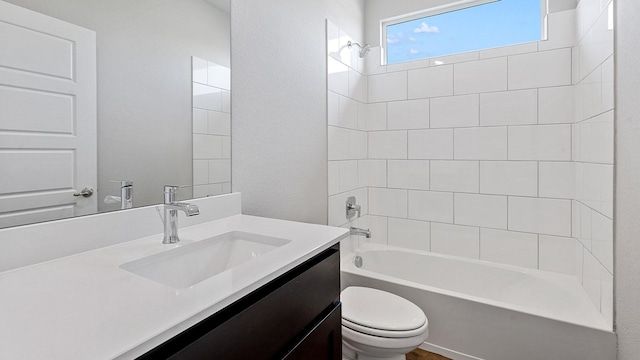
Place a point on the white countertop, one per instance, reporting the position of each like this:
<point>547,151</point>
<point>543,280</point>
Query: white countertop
<point>85,307</point>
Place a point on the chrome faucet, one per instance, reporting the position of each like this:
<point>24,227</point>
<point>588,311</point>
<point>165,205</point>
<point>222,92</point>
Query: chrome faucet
<point>360,232</point>
<point>171,207</point>
<point>126,195</point>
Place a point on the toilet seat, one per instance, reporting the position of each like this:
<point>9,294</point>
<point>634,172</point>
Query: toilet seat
<point>381,314</point>
<point>385,333</point>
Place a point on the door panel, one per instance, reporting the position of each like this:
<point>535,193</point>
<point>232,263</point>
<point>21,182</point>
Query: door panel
<point>59,52</point>
<point>36,111</point>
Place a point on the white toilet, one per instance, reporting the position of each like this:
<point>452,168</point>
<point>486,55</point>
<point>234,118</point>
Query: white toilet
<point>380,325</point>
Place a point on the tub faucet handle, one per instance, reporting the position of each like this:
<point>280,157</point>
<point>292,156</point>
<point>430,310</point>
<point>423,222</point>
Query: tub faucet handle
<point>352,208</point>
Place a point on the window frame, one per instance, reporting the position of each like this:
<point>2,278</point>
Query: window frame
<point>455,6</point>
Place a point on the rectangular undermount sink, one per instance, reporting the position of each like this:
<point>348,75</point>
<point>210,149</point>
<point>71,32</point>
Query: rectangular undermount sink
<point>190,264</point>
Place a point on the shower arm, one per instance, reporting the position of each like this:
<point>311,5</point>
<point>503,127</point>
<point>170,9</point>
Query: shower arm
<point>350,44</point>
<point>364,50</point>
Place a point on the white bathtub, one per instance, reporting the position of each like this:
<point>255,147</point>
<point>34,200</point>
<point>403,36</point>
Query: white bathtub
<point>480,310</point>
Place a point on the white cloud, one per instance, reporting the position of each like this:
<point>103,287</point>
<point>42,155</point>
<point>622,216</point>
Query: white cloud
<point>392,40</point>
<point>413,51</point>
<point>425,28</point>
<point>411,38</point>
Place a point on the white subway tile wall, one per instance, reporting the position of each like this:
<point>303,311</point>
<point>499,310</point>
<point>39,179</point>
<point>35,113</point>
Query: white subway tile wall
<point>540,142</point>
<point>430,82</point>
<point>503,155</point>
<point>455,176</point>
<point>430,144</point>
<point>557,254</point>
<point>372,173</point>
<point>388,87</point>
<point>540,215</point>
<point>455,111</point>
<point>372,116</point>
<point>480,76</point>
<point>431,206</point>
<point>409,234</point>
<point>408,114</point>
<point>540,69</point>
<point>509,108</point>
<point>593,151</point>
<point>388,145</point>
<point>556,105</point>
<point>388,202</point>
<point>518,178</point>
<point>211,119</point>
<point>350,117</point>
<point>408,174</point>
<point>480,143</point>
<point>480,210</point>
<point>455,240</point>
<point>508,247</point>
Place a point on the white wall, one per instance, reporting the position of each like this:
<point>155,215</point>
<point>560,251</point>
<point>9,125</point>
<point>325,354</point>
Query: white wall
<point>144,85</point>
<point>627,208</point>
<point>279,104</point>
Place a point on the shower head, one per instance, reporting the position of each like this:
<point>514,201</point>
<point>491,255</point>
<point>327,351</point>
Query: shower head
<point>364,50</point>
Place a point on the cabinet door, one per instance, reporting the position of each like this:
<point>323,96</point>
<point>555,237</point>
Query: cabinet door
<point>324,342</point>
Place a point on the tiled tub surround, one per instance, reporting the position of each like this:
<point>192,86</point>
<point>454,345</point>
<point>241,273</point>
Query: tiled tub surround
<point>211,128</point>
<point>81,305</point>
<point>471,155</point>
<point>473,158</point>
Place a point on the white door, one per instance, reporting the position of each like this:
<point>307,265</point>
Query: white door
<point>47,117</point>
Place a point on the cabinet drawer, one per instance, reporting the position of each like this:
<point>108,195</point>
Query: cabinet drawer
<point>324,341</point>
<point>263,324</point>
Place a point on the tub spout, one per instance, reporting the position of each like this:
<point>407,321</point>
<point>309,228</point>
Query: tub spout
<point>360,232</point>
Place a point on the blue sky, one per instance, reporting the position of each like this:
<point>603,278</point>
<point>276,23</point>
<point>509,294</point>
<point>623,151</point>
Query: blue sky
<point>501,23</point>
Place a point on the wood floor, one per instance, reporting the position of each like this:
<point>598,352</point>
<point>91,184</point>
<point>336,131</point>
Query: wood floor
<point>419,354</point>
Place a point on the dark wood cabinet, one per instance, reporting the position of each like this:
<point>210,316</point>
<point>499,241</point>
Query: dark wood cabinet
<point>296,316</point>
<point>324,342</point>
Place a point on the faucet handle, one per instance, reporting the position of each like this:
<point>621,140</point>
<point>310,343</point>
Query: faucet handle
<point>169,188</point>
<point>352,208</point>
<point>170,192</point>
<point>123,183</point>
<point>175,187</point>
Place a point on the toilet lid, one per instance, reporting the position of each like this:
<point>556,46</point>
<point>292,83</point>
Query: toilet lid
<point>376,309</point>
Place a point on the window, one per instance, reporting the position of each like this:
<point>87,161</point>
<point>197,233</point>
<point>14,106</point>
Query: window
<point>463,26</point>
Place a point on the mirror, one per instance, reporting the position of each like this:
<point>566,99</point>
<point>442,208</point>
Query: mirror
<point>163,117</point>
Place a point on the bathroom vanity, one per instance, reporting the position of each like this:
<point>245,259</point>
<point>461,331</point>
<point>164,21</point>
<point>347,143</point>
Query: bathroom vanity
<point>296,316</point>
<point>268,288</point>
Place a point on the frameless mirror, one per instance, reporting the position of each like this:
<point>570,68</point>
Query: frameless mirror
<point>149,77</point>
